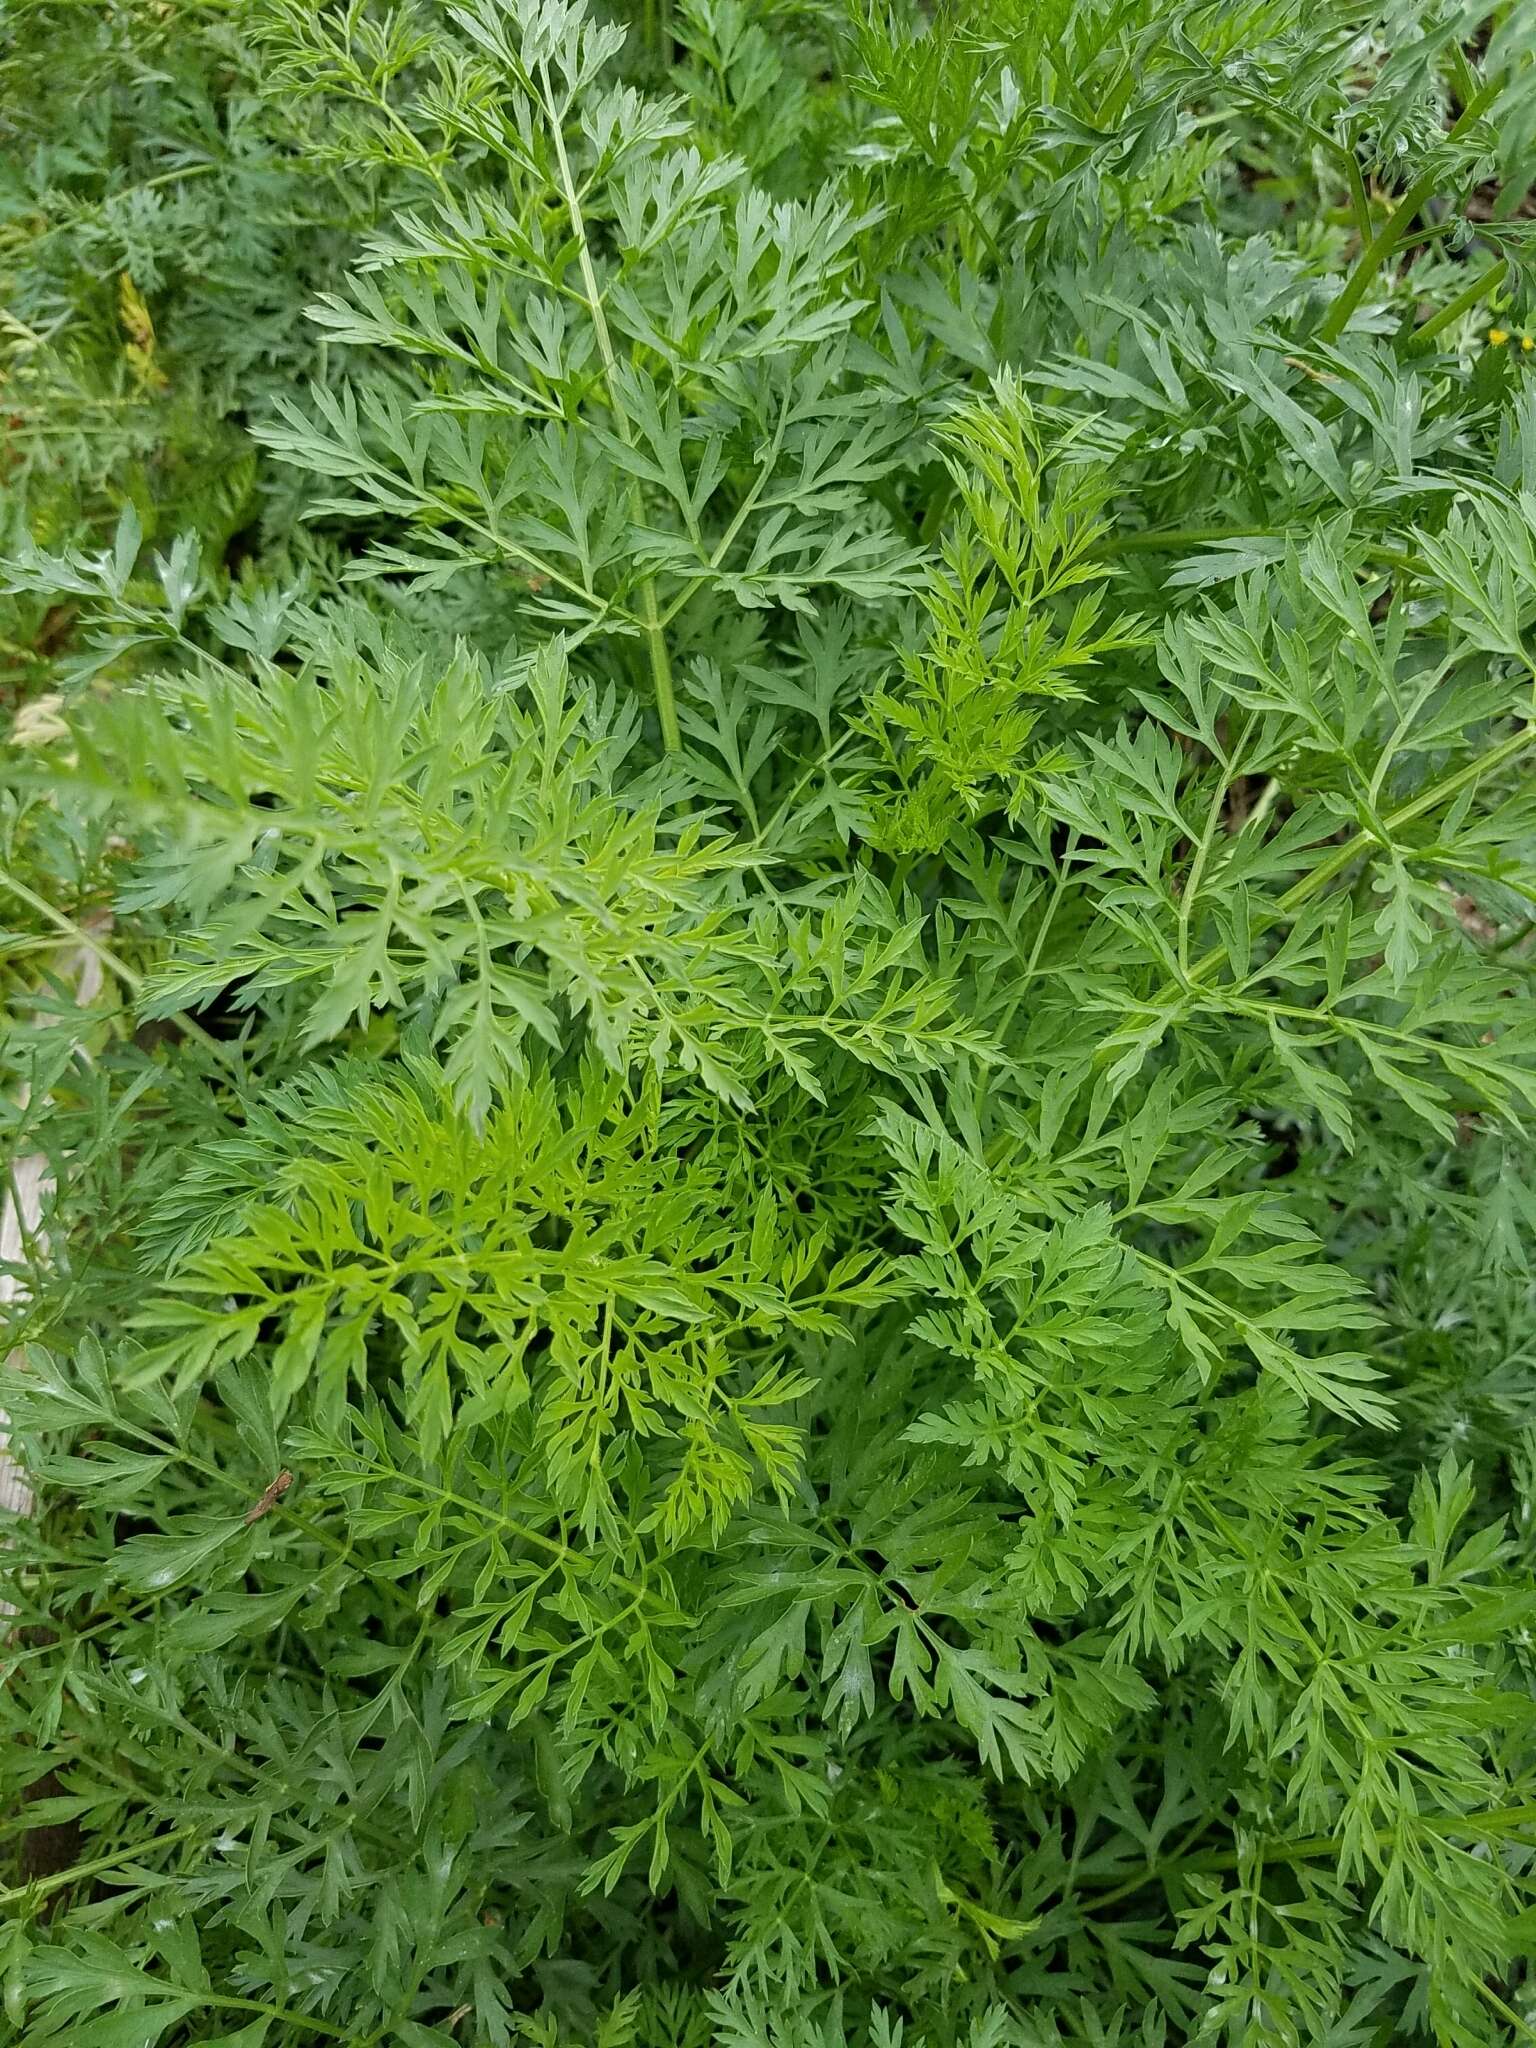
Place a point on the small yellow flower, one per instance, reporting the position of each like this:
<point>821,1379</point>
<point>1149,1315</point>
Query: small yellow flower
<point>1526,343</point>
<point>1497,336</point>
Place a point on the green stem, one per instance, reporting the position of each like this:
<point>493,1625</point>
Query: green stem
<point>1464,77</point>
<point>1180,1859</point>
<point>1189,894</point>
<point>130,977</point>
<point>1340,152</point>
<point>1168,540</point>
<point>661,664</point>
<point>743,512</point>
<point>1359,198</point>
<point>285,2015</point>
<point>1309,885</point>
<point>40,1887</point>
<point>574,1561</point>
<point>1498,1822</point>
<point>1401,218</point>
<point>650,611</point>
<point>1439,793</point>
<point>1463,302</point>
<point>181,174</point>
<point>1503,2009</point>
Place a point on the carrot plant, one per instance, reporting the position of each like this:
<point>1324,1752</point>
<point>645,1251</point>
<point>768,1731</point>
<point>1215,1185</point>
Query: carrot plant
<point>769,866</point>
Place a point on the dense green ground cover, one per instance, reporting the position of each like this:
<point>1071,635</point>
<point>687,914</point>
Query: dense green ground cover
<point>788,1301</point>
